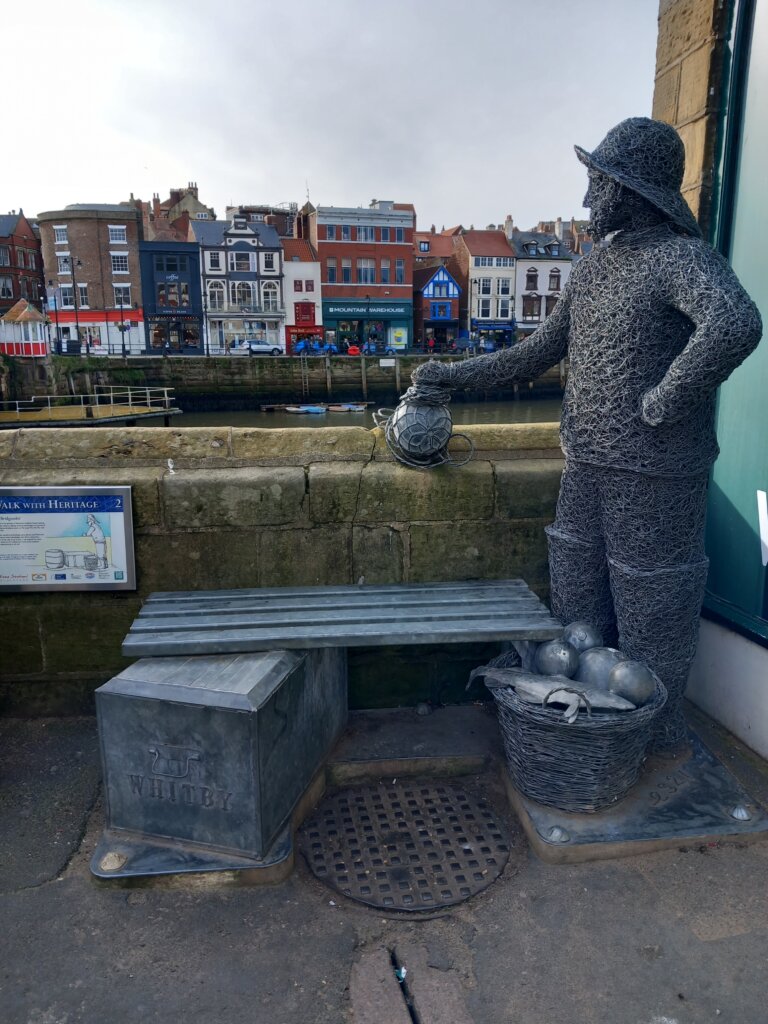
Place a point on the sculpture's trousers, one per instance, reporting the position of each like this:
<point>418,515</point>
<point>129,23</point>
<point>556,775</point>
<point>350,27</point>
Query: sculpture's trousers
<point>626,553</point>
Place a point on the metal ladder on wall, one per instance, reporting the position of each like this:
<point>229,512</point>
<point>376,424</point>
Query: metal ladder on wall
<point>304,366</point>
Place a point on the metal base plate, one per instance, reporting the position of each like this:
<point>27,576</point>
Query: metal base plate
<point>689,799</point>
<point>120,855</point>
<point>406,846</point>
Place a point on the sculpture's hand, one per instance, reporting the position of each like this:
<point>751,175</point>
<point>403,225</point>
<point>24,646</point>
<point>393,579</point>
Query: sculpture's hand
<point>433,374</point>
<point>652,410</point>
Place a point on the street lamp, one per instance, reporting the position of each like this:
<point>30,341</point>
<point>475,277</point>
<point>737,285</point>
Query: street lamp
<point>72,265</point>
<point>206,341</point>
<point>52,291</point>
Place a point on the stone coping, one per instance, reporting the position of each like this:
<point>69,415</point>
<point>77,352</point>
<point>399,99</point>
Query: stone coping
<point>222,446</point>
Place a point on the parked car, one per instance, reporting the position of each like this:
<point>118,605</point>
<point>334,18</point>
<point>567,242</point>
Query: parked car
<point>264,348</point>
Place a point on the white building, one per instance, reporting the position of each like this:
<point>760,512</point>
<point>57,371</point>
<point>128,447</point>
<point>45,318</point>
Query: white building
<point>303,291</point>
<point>485,264</point>
<point>543,265</point>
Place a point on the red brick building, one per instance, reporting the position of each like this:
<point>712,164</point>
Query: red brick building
<point>21,265</point>
<point>366,259</point>
<point>91,262</point>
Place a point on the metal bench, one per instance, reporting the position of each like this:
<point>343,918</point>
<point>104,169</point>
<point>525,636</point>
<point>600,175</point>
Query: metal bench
<point>227,621</point>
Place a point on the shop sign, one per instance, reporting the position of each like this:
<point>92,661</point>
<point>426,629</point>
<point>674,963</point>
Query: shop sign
<point>66,538</point>
<point>366,310</point>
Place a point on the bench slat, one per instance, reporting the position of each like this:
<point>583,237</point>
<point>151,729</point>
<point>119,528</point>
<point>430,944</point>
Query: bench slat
<point>222,641</point>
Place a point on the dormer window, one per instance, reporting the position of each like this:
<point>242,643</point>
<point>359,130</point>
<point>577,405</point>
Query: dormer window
<point>532,249</point>
<point>423,246</point>
<point>554,250</point>
<point>240,223</point>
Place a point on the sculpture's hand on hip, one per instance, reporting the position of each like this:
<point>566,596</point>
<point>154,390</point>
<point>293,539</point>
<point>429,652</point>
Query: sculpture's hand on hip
<point>652,409</point>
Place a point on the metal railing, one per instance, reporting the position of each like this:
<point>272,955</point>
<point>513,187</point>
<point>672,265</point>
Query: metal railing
<point>103,398</point>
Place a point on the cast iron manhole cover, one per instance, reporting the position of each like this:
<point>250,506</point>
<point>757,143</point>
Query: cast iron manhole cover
<point>405,846</point>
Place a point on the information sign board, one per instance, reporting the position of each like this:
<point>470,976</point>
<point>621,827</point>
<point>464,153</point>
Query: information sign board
<point>66,538</point>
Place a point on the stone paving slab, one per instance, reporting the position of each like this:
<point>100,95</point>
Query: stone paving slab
<point>49,780</point>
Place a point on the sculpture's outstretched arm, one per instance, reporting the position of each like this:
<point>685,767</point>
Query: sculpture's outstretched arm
<point>522,362</point>
<point>727,328</point>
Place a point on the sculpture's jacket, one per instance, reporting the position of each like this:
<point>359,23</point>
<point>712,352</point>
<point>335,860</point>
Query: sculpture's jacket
<point>651,324</point>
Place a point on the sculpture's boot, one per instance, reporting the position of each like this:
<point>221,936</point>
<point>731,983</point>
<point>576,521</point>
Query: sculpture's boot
<point>657,611</point>
<point>581,592</point>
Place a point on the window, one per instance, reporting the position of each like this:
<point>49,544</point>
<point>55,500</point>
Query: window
<point>440,289</point>
<point>346,271</point>
<point>20,261</point>
<point>366,271</point>
<point>32,260</point>
<point>214,260</point>
<point>531,307</point>
<point>270,297</point>
<point>119,264</point>
<point>330,232</point>
<point>554,280</point>
<point>532,249</point>
<point>298,286</point>
<point>5,256</point>
<point>423,246</point>
<point>117,234</point>
<point>201,216</point>
<point>554,250</point>
<point>82,294</point>
<point>6,288</point>
<point>531,279</point>
<point>399,234</point>
<point>35,291</point>
<point>59,235</point>
<point>309,286</point>
<point>385,271</point>
<point>503,309</point>
<point>330,271</point>
<point>160,263</point>
<point>23,288</point>
<point>503,261</point>
<point>65,264</point>
<point>503,286</point>
<point>483,261</point>
<point>549,303</point>
<point>67,296</point>
<point>240,293</point>
<point>346,233</point>
<point>216,294</point>
<point>399,271</point>
<point>122,294</point>
<point>485,308</point>
<point>485,286</point>
<point>269,261</point>
<point>240,262</point>
<point>366,234</point>
<point>385,234</point>
<point>439,310</point>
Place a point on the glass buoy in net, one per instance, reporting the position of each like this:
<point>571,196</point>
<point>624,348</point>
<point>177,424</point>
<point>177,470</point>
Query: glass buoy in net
<point>421,431</point>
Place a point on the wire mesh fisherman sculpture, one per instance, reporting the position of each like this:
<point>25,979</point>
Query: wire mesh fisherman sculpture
<point>652,321</point>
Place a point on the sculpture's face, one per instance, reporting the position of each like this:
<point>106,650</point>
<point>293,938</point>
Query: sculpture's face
<point>609,204</point>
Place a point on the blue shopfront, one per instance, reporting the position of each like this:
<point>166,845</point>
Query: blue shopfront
<point>493,334</point>
<point>170,284</point>
<point>372,325</point>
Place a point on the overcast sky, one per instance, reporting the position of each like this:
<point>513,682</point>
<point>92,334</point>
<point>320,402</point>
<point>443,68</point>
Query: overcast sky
<point>469,110</point>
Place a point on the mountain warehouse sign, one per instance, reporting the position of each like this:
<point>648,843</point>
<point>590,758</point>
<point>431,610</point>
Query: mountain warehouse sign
<point>367,310</point>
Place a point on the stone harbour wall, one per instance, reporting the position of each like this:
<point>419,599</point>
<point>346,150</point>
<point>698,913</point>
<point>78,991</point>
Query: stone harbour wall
<point>223,507</point>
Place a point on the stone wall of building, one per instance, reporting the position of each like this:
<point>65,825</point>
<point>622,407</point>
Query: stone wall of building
<point>255,507</point>
<point>690,54</point>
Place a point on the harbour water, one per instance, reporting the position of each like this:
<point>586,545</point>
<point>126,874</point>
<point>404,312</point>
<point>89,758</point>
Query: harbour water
<point>544,410</point>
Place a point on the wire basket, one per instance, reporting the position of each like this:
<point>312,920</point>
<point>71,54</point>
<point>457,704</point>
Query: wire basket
<point>583,766</point>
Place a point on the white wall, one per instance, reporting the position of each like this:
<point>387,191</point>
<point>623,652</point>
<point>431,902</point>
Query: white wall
<point>729,681</point>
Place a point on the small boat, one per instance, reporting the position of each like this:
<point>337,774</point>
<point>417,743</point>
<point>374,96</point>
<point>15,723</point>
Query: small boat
<point>306,408</point>
<point>346,407</point>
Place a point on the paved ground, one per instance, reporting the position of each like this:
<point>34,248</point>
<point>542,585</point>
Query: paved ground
<point>680,936</point>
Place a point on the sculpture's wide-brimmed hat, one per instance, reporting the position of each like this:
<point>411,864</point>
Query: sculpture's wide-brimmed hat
<point>648,157</point>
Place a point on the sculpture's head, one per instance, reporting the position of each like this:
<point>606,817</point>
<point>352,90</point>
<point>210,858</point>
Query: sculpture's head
<point>635,176</point>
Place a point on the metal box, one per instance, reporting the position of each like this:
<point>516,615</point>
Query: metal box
<point>216,750</point>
